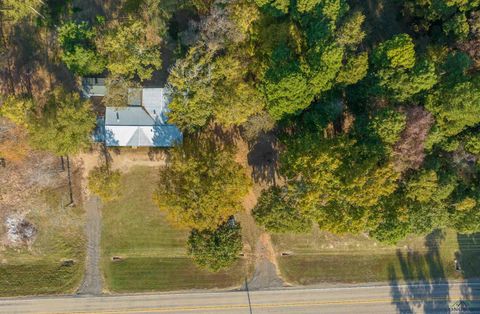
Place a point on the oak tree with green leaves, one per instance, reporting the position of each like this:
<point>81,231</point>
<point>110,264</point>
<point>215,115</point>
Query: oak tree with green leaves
<point>338,181</point>
<point>17,109</point>
<point>201,186</point>
<point>105,182</point>
<point>398,74</point>
<point>64,126</point>
<point>216,249</point>
<point>277,212</point>
<point>129,50</point>
<point>16,11</point>
<point>312,55</point>
<point>208,87</point>
<point>454,108</point>
<point>78,49</point>
<point>388,124</point>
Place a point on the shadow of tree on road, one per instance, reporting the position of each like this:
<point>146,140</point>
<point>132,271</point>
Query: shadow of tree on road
<point>468,258</point>
<point>425,279</point>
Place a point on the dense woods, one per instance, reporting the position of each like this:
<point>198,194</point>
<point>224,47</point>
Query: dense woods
<point>379,129</point>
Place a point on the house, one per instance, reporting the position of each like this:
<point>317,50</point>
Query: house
<point>142,123</point>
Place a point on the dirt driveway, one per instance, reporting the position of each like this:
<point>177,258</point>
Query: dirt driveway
<point>121,160</point>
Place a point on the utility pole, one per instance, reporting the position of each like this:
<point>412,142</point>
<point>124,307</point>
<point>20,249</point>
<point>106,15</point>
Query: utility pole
<point>248,296</point>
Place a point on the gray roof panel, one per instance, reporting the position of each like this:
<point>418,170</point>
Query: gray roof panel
<point>127,116</point>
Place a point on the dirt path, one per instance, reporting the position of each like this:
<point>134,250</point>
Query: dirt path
<point>92,282</point>
<point>261,164</point>
<point>266,273</point>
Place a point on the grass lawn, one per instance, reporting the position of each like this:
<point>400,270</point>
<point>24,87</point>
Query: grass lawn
<point>152,251</point>
<point>322,257</point>
<point>39,269</point>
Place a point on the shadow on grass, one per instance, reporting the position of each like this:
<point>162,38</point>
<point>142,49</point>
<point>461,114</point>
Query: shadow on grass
<point>263,158</point>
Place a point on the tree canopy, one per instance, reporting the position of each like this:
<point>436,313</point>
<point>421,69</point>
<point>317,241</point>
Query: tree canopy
<point>129,50</point>
<point>104,182</point>
<point>277,213</point>
<point>201,186</point>
<point>373,116</point>
<point>217,249</point>
<point>65,125</point>
<point>78,49</point>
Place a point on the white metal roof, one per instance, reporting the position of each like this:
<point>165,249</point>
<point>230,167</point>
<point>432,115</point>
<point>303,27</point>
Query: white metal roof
<point>144,125</point>
<point>164,135</point>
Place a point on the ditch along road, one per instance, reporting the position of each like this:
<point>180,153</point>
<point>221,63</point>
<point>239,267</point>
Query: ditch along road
<point>410,298</point>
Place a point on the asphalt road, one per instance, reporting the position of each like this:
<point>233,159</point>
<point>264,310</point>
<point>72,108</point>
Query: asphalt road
<point>429,298</point>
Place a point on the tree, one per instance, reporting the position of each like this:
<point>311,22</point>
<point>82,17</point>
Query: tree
<point>234,99</point>
<point>202,6</point>
<point>18,10</point>
<point>276,212</point>
<point>217,249</point>
<point>218,30</point>
<point>325,63</point>
<point>189,80</point>
<point>472,143</point>
<point>388,124</point>
<point>201,186</point>
<point>428,187</point>
<point>104,182</point>
<point>275,6</point>
<point>455,66</point>
<point>305,58</point>
<point>214,81</point>
<point>117,91</point>
<point>129,51</point>
<point>454,108</point>
<point>394,225</point>
<point>450,15</point>
<point>466,215</point>
<point>307,5</point>
<point>257,125</point>
<point>78,49</point>
<point>398,52</point>
<point>351,32</point>
<point>401,84</point>
<point>423,186</point>
<point>457,25</point>
<point>64,126</point>
<point>398,75</point>
<point>338,181</point>
<point>206,87</point>
<point>17,109</point>
<point>355,69</point>
<point>289,95</point>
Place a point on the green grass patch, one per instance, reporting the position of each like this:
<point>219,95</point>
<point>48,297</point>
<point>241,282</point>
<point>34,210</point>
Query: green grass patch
<point>39,269</point>
<point>153,252</point>
<point>170,273</point>
<point>39,277</point>
<point>321,257</point>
